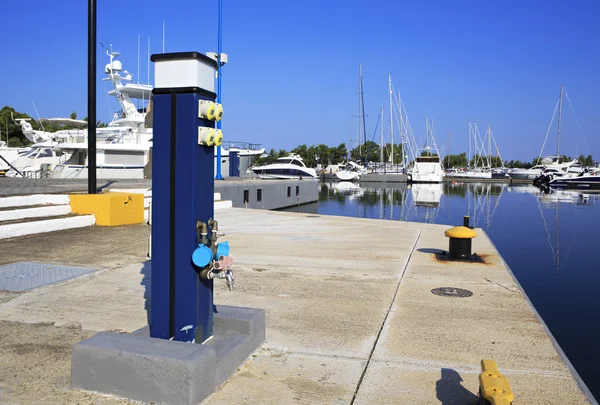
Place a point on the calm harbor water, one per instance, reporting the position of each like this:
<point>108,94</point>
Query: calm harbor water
<point>548,240</point>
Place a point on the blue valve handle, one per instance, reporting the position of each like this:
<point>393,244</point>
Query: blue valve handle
<point>223,249</point>
<point>202,256</point>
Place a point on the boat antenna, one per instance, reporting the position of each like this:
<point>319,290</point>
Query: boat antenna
<point>138,67</point>
<point>148,59</point>
<point>38,116</point>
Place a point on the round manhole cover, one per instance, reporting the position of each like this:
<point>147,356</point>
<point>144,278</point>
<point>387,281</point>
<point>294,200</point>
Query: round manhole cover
<point>452,292</point>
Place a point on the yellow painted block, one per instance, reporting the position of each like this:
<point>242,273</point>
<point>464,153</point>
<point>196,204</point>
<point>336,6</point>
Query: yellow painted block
<point>110,209</point>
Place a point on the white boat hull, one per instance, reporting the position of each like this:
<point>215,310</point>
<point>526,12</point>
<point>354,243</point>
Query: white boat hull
<point>523,175</point>
<point>426,177</point>
<point>9,154</point>
<point>345,175</point>
<point>102,172</point>
<point>282,176</point>
<point>471,175</point>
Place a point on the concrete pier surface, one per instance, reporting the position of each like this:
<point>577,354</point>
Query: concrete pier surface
<point>351,318</point>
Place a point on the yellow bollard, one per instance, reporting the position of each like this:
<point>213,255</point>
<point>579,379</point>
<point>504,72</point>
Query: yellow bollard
<point>494,386</point>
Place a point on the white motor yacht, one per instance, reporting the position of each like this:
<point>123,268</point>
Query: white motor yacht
<point>526,174</point>
<point>9,154</point>
<point>31,162</point>
<point>427,169</point>
<point>122,148</point>
<point>289,167</point>
<point>427,166</point>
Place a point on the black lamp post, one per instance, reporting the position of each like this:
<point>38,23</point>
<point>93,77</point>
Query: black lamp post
<point>91,107</point>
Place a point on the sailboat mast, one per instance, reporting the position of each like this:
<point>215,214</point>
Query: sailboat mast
<point>402,129</point>
<point>391,115</point>
<point>381,137</point>
<point>449,139</point>
<point>469,149</point>
<point>360,111</point>
<point>489,146</point>
<point>559,121</point>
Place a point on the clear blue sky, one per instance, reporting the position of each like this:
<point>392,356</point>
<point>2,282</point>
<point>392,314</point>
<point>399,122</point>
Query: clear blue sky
<point>292,76</point>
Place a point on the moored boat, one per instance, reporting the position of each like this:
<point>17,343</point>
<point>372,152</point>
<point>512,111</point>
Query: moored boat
<point>289,167</point>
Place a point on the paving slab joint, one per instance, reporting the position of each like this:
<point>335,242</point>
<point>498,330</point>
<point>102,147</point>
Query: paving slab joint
<point>160,371</point>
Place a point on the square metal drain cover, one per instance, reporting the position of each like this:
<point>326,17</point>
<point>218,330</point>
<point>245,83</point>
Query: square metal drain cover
<point>23,276</point>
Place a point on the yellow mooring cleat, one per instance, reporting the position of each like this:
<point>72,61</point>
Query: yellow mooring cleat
<point>493,386</point>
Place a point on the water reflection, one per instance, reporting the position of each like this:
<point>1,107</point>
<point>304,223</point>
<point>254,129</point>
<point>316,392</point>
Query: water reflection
<point>409,202</point>
<point>547,239</point>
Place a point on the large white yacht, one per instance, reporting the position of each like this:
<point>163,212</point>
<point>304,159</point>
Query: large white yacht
<point>122,148</point>
<point>427,169</point>
<point>551,164</point>
<point>289,167</point>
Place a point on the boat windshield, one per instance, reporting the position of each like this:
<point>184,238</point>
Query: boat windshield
<point>434,159</point>
<point>290,161</point>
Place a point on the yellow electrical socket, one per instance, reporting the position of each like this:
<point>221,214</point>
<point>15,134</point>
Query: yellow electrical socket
<point>207,110</point>
<point>218,137</point>
<point>206,136</point>
<point>218,112</point>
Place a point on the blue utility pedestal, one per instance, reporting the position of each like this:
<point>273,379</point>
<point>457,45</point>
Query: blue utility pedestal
<point>158,363</point>
<point>234,164</point>
<point>183,193</point>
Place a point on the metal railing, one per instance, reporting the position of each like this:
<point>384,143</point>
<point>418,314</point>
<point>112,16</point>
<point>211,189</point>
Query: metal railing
<point>241,145</point>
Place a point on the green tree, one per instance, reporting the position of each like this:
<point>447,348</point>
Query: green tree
<point>270,158</point>
<point>73,115</point>
<point>589,161</point>
<point>11,129</point>
<point>369,151</point>
<point>456,160</point>
<point>339,154</point>
<point>397,153</point>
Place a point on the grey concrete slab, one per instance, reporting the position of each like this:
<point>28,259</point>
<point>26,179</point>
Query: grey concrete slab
<point>19,186</point>
<point>276,377</point>
<point>105,300</point>
<point>401,383</point>
<point>23,276</point>
<point>163,371</point>
<point>429,341</point>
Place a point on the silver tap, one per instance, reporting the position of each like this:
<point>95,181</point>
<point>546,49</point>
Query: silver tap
<point>229,278</point>
<point>223,275</point>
